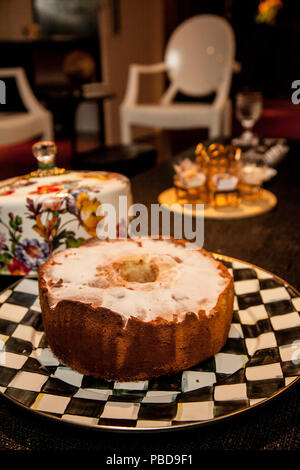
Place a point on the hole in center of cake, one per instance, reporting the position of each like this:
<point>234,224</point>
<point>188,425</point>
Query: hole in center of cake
<point>138,270</point>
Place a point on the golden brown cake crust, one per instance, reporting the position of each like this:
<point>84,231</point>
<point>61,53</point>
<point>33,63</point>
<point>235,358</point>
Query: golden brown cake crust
<point>94,341</point>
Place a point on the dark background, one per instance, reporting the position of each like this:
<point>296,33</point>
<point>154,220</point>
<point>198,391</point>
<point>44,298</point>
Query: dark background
<point>268,52</point>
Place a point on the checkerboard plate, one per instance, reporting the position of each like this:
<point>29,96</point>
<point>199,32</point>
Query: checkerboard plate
<point>260,359</point>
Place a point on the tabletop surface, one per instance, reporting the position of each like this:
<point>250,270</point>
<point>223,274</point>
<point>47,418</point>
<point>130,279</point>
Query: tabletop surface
<point>270,241</point>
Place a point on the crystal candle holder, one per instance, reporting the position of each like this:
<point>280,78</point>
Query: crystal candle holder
<point>189,182</point>
<point>251,178</point>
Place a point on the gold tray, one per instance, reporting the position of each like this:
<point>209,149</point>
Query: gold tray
<point>264,203</point>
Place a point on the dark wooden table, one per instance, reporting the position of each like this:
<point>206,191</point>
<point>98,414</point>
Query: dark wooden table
<point>270,241</point>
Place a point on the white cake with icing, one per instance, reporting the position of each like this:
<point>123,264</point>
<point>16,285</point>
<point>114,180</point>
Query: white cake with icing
<point>108,278</point>
<point>134,309</point>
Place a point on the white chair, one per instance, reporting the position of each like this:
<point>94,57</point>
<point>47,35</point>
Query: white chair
<point>199,61</point>
<point>19,127</point>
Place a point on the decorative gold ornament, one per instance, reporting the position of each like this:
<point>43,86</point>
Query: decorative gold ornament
<point>218,165</point>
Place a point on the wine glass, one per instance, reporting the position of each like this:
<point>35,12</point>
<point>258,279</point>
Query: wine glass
<point>249,107</point>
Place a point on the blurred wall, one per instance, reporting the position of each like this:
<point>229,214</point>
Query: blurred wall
<point>140,39</point>
<point>14,15</point>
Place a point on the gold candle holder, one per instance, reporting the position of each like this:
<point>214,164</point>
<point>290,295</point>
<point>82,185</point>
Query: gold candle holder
<point>189,182</point>
<point>211,178</point>
<point>221,164</point>
<point>251,180</point>
<point>186,194</point>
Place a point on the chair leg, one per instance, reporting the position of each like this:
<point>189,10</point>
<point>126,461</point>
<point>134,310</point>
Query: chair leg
<point>214,128</point>
<point>126,132</point>
<point>227,120</point>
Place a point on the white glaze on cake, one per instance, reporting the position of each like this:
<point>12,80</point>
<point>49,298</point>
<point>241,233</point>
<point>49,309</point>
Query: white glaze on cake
<point>187,281</point>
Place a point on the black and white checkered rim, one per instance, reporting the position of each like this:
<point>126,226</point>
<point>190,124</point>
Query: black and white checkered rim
<point>260,360</point>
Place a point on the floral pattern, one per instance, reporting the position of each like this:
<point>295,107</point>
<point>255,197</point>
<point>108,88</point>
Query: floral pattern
<point>7,193</point>
<point>32,253</point>
<point>48,221</point>
<point>50,216</point>
<point>19,256</point>
<point>49,188</point>
<point>87,213</point>
<point>17,268</point>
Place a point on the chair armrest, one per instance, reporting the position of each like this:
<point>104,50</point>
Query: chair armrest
<point>27,96</point>
<point>132,89</point>
<point>148,68</point>
<point>29,99</point>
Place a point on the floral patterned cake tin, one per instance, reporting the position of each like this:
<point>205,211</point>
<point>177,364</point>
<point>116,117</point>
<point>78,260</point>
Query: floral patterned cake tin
<point>39,215</point>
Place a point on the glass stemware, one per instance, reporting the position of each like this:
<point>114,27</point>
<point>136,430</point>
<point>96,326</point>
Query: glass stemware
<point>249,107</point>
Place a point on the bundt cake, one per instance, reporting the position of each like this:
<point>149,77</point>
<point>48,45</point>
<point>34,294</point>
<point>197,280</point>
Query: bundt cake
<point>132,309</point>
